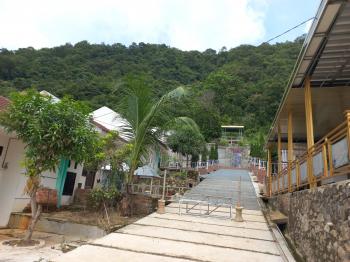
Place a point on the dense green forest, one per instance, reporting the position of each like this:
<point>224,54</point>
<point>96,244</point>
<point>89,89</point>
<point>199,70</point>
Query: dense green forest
<point>238,86</point>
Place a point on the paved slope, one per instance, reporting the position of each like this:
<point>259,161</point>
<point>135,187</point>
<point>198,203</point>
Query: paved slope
<point>174,237</point>
<point>222,187</point>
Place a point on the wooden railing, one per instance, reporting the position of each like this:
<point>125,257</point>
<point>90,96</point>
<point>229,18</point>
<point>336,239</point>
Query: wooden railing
<point>328,158</point>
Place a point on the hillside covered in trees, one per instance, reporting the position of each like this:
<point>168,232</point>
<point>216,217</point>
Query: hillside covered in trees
<point>238,86</point>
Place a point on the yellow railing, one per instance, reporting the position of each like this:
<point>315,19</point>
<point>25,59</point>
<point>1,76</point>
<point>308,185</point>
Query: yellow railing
<point>327,158</point>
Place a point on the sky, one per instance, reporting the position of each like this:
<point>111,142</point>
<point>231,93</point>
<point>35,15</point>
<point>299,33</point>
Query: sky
<point>184,24</point>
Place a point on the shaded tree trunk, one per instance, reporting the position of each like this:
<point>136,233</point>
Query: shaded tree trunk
<point>36,212</point>
<point>126,205</point>
<point>126,202</point>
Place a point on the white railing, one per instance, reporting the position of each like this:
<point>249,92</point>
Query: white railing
<point>204,164</point>
<point>157,190</point>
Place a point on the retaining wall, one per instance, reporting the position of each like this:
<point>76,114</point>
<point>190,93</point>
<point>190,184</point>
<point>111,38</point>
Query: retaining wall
<point>318,221</point>
<point>56,226</point>
<point>143,204</point>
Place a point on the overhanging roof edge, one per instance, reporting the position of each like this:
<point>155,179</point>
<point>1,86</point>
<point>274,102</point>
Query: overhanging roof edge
<point>304,49</point>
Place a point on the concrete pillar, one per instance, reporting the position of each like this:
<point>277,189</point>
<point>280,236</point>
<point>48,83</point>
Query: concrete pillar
<point>161,206</point>
<point>239,217</point>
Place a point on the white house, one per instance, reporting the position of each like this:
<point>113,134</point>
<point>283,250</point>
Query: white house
<point>105,120</point>
<point>12,178</point>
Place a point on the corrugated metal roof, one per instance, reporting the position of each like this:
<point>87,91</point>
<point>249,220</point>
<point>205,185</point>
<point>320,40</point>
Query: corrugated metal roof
<point>109,120</point>
<point>325,54</point>
<point>332,67</point>
<point>238,127</point>
<point>146,171</point>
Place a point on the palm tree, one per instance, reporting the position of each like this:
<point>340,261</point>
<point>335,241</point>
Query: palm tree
<point>147,119</point>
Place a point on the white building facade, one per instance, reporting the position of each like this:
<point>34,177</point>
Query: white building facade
<point>13,179</point>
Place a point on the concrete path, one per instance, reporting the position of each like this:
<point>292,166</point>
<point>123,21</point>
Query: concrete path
<point>191,236</point>
<point>222,186</point>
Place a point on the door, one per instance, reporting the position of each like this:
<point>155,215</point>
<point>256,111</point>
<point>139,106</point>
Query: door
<point>69,184</point>
<point>89,178</point>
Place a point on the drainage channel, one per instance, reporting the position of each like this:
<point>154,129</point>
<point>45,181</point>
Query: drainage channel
<point>287,252</point>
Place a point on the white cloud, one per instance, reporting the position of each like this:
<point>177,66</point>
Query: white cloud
<point>185,24</point>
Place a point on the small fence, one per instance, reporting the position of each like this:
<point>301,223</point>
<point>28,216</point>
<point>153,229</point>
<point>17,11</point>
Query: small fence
<point>206,206</point>
<point>191,165</point>
<point>157,190</point>
<point>202,204</point>
<point>204,164</point>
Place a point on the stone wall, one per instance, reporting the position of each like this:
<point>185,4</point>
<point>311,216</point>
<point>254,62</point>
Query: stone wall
<point>56,226</point>
<point>143,204</point>
<point>81,196</point>
<point>318,221</point>
<point>281,203</point>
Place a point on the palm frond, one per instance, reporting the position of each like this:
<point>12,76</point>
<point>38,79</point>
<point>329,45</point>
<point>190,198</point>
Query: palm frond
<point>142,113</point>
<point>187,121</point>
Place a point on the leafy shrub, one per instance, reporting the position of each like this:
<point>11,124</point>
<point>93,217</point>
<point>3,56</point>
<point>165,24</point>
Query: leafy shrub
<point>99,196</point>
<point>180,175</point>
<point>192,174</point>
<point>223,142</point>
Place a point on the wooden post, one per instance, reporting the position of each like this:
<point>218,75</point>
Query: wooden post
<point>164,185</point>
<point>279,156</point>
<point>297,167</point>
<point>161,202</point>
<point>290,149</point>
<point>324,158</point>
<point>330,157</point>
<point>279,150</point>
<point>309,130</point>
<point>269,170</point>
<point>347,115</point>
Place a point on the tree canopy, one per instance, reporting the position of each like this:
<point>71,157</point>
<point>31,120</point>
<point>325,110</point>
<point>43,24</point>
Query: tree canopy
<point>243,85</point>
<point>186,141</point>
<point>51,130</point>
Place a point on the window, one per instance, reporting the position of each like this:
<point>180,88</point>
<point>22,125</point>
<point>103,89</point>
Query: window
<point>75,165</point>
<point>1,149</point>
<point>69,184</point>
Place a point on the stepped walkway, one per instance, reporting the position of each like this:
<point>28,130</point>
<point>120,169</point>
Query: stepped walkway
<point>195,235</point>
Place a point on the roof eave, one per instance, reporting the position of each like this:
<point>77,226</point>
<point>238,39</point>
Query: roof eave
<point>311,33</point>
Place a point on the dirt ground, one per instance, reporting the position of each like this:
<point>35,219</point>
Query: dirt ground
<point>55,243</point>
<point>52,247</point>
<point>114,220</point>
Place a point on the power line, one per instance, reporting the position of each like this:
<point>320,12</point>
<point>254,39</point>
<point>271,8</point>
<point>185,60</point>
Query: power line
<point>290,29</point>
